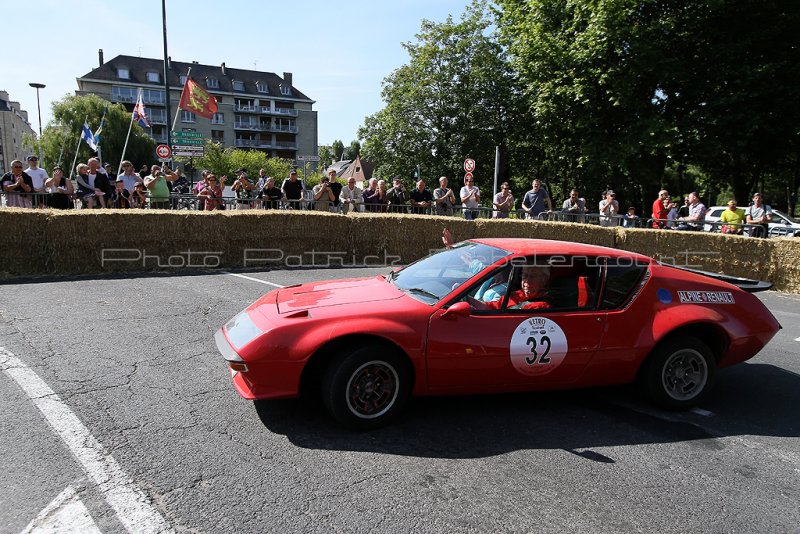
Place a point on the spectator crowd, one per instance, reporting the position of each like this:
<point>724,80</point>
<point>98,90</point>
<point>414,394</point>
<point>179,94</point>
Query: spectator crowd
<point>160,187</point>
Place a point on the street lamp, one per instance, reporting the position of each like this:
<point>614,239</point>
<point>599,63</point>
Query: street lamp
<point>39,109</point>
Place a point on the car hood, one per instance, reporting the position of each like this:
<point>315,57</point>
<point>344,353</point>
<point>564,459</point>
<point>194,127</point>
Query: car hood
<point>335,293</point>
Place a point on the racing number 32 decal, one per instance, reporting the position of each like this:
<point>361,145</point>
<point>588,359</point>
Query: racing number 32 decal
<point>538,346</point>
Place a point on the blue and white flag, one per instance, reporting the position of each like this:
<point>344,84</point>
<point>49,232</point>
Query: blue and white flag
<point>88,136</point>
<point>99,129</point>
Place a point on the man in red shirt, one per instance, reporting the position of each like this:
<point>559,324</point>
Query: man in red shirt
<point>660,212</point>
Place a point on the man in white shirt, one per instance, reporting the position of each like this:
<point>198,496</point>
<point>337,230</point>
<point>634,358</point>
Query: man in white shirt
<point>39,177</point>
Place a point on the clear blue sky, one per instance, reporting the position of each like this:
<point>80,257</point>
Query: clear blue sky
<point>337,52</point>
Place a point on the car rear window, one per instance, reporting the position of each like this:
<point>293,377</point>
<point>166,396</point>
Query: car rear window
<point>620,283</point>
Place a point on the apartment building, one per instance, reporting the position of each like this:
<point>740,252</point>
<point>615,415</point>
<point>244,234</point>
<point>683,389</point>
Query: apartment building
<point>257,110</point>
<point>13,126</point>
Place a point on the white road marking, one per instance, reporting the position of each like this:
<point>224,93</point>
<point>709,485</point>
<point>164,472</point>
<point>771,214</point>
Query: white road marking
<point>129,502</point>
<point>798,339</point>
<point>253,279</point>
<point>66,513</point>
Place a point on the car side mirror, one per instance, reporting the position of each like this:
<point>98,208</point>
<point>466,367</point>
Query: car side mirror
<point>459,309</point>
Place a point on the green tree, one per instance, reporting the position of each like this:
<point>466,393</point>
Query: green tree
<point>325,157</point>
<point>353,151</point>
<point>338,149</point>
<point>225,161</point>
<point>624,90</point>
<point>60,137</point>
<point>456,98</point>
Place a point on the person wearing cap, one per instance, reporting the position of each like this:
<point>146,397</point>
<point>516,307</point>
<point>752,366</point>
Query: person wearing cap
<point>293,190</point>
<point>16,183</point>
<point>536,200</point>
<point>121,197</point>
<point>242,187</point>
<point>732,219</point>
<point>631,218</point>
<point>697,214</point>
<point>39,177</point>
<point>760,214</point>
<point>609,209</point>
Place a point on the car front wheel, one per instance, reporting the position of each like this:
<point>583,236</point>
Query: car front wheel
<point>679,373</point>
<point>366,387</point>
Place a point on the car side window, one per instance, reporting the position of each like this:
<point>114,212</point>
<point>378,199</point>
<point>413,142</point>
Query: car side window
<point>621,280</point>
<point>488,292</point>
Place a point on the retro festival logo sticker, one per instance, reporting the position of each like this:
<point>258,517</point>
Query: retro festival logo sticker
<point>538,346</point>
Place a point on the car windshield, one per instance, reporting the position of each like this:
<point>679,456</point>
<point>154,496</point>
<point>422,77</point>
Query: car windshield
<point>434,277</point>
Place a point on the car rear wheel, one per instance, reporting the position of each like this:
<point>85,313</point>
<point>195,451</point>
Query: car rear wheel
<point>366,387</point>
<point>680,373</point>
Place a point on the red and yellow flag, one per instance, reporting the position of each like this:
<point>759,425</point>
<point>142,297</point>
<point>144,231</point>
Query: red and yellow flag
<point>195,99</point>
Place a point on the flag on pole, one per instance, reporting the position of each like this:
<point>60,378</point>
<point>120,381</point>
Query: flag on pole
<point>139,114</point>
<point>195,99</point>
<point>88,136</point>
<point>100,129</point>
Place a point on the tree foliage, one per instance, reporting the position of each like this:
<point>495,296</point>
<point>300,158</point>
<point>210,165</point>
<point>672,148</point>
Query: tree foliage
<point>63,132</point>
<point>226,160</point>
<point>456,98</point>
<point>632,94</point>
<point>623,91</point>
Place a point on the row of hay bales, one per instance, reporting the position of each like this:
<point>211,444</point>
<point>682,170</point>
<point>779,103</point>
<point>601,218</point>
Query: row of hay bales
<point>43,242</point>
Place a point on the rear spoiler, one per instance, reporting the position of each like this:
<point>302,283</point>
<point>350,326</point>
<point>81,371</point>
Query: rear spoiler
<point>747,284</point>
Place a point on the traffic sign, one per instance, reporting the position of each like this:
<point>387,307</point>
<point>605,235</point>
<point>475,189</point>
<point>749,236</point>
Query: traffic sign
<point>163,152</point>
<point>308,158</point>
<point>192,151</point>
<point>468,175</point>
<point>469,165</point>
<point>187,138</point>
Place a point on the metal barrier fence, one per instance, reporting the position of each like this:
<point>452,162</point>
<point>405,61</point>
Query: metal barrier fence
<point>193,202</point>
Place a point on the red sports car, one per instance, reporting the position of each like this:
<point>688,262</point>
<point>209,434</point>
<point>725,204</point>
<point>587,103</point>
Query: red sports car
<point>496,315</point>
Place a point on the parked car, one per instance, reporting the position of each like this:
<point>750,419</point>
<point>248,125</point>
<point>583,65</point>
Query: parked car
<point>454,323</point>
<point>781,224</point>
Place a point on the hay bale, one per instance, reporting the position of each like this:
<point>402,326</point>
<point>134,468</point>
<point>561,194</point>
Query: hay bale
<point>784,263</point>
<point>23,242</point>
<point>729,254</point>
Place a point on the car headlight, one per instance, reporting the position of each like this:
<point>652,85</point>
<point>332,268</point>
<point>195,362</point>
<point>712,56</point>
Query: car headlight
<point>241,330</point>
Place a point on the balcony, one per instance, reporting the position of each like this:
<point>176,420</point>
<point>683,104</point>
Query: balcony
<point>158,119</point>
<point>283,129</point>
<point>246,126</point>
<point>123,98</point>
<point>253,143</point>
<point>248,109</point>
<point>278,111</point>
<point>286,144</point>
<point>160,138</point>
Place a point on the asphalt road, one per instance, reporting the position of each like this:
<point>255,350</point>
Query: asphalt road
<point>146,431</point>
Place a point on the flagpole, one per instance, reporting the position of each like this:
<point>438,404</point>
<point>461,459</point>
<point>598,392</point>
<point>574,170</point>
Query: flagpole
<point>177,111</point>
<point>63,146</point>
<point>125,148</point>
<point>77,148</point>
<point>166,65</point>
